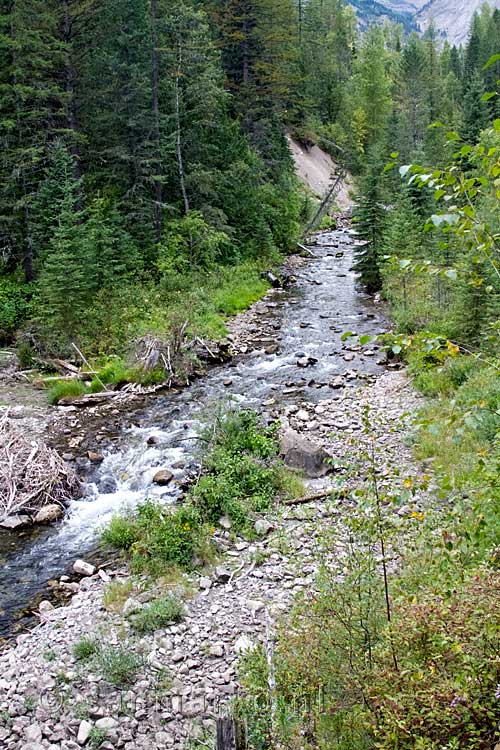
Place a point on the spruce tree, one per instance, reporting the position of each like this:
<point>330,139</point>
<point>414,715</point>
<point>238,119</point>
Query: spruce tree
<point>368,221</point>
<point>67,276</point>
<point>31,114</point>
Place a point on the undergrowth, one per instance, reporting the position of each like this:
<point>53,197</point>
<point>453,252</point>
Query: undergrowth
<point>241,477</point>
<point>416,665</point>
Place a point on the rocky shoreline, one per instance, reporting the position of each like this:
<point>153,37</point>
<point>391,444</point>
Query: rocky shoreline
<point>186,673</point>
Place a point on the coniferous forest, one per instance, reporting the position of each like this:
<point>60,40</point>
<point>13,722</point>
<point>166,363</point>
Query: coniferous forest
<point>144,154</point>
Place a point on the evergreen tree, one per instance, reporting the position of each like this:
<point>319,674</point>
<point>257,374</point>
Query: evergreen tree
<point>31,112</point>
<point>475,114</point>
<point>371,88</point>
<point>368,220</point>
<point>67,278</point>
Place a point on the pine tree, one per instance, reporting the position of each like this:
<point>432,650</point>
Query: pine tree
<point>475,114</point>
<point>67,277</point>
<point>31,113</point>
<point>368,220</point>
<point>371,86</point>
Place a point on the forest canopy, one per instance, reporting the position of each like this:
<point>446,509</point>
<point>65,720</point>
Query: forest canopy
<point>143,147</point>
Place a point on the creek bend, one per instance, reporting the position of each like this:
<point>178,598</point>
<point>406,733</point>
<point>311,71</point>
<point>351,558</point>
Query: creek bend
<point>308,320</point>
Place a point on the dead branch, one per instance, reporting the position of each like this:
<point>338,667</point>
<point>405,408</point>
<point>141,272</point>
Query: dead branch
<point>310,498</point>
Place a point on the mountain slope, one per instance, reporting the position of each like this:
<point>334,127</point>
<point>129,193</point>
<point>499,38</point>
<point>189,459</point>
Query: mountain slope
<point>451,17</point>
<point>372,11</point>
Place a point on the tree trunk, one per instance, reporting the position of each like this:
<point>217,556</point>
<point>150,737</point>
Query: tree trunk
<point>178,140</point>
<point>156,122</point>
<point>231,734</point>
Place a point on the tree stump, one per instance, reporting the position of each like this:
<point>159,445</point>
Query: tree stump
<point>231,734</point>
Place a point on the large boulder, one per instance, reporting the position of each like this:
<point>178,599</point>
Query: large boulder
<point>299,452</point>
<point>17,521</point>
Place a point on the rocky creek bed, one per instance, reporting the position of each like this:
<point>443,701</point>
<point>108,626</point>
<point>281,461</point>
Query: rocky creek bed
<point>290,363</point>
<point>188,671</point>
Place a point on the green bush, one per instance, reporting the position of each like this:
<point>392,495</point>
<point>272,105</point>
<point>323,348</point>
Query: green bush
<point>119,665</point>
<point>85,648</point>
<point>157,535</point>
<point>168,535</point>
<point>65,388</point>
<point>14,306</point>
<point>157,615</point>
<point>122,532</point>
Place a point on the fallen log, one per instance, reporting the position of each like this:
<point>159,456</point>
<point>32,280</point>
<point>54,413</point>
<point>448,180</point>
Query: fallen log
<point>90,399</point>
<point>305,249</point>
<point>310,498</point>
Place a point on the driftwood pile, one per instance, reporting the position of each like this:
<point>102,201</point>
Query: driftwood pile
<point>178,357</point>
<point>31,474</point>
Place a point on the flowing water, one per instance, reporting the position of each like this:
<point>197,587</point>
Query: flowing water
<point>308,320</point>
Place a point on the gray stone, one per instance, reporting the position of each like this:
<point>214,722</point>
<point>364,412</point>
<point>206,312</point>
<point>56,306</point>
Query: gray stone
<point>45,606</point>
<point>263,527</point>
<point>82,568</point>
<point>107,723</point>
<point>243,644</point>
<point>299,452</point>
<point>83,732</point>
<point>205,583</point>
<point>222,574</point>
<point>17,521</point>
<point>163,477</point>
<point>33,733</point>
<point>131,605</point>
<point>48,513</point>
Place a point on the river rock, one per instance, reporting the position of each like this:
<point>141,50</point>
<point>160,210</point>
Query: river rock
<point>163,477</point>
<point>225,523</point>
<point>95,457</point>
<point>301,453</point>
<point>131,606</point>
<point>243,644</point>
<point>82,568</point>
<point>222,574</point>
<point>83,732</point>
<point>17,521</point>
<point>306,361</point>
<point>48,513</point>
<point>263,527</point>
<point>33,733</point>
<point>45,607</point>
<point>106,723</point>
<point>337,382</point>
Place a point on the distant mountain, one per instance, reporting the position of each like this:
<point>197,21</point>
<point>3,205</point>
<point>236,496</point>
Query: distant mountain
<point>451,17</point>
<point>373,11</point>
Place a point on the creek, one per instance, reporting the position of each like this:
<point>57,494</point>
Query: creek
<point>307,320</point>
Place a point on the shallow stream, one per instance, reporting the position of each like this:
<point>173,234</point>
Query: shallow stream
<point>307,320</point>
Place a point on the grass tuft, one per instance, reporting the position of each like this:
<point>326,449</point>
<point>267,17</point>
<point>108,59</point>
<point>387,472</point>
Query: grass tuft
<point>158,614</point>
